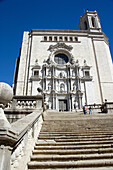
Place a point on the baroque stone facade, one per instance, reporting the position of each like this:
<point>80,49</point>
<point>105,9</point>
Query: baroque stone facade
<point>71,67</point>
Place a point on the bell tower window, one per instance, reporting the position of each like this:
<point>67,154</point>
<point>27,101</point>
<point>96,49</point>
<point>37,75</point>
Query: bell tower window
<point>85,25</point>
<point>93,21</point>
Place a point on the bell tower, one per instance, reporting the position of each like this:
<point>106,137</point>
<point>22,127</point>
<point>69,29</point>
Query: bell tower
<point>90,21</point>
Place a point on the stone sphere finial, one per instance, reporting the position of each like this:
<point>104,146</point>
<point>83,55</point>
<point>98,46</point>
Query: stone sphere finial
<point>6,93</point>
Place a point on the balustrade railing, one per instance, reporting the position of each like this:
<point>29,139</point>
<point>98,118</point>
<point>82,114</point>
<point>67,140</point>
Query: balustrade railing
<point>27,130</point>
<point>25,102</point>
<point>20,106</point>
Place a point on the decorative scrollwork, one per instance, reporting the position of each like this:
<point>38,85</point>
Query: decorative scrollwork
<point>60,45</point>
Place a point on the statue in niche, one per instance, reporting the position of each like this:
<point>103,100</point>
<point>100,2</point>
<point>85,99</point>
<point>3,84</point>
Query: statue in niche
<point>49,87</point>
<point>62,75</point>
<point>74,87</point>
<point>73,73</point>
<point>50,104</point>
<point>49,72</point>
<point>62,87</point>
<point>75,105</point>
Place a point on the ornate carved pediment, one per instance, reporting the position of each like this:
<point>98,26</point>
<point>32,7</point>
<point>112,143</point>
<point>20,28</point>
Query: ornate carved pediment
<point>60,45</point>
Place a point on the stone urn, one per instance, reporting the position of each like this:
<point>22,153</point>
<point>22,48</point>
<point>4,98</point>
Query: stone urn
<point>7,135</point>
<point>6,94</point>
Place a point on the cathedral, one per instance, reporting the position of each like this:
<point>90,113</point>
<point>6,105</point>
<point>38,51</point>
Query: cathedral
<point>70,68</point>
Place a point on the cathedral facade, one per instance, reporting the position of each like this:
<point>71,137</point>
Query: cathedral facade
<point>71,68</point>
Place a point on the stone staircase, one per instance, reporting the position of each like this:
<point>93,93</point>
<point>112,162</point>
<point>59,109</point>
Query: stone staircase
<point>74,141</point>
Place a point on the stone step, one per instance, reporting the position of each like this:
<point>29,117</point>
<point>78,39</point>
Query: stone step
<point>82,123</point>
<point>85,139</point>
<point>71,147</point>
<point>79,116</point>
<point>77,131</point>
<point>70,157</point>
<point>75,134</point>
<point>72,137</point>
<point>99,168</point>
<point>74,141</point>
<point>87,121</point>
<point>69,164</point>
<point>95,127</point>
<point>53,143</point>
<point>78,125</point>
<point>71,152</point>
<point>72,118</point>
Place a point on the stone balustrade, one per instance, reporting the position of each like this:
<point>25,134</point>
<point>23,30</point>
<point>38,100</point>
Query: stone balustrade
<point>17,139</point>
<point>27,130</point>
<point>20,106</point>
<point>25,102</point>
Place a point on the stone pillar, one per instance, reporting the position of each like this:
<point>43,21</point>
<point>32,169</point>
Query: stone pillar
<point>7,140</point>
<point>7,136</point>
<point>5,156</point>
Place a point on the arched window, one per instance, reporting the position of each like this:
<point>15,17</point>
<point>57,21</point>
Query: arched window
<point>71,39</point>
<point>61,58</point>
<point>55,38</point>
<point>65,39</point>
<point>50,38</point>
<point>76,39</point>
<point>60,38</point>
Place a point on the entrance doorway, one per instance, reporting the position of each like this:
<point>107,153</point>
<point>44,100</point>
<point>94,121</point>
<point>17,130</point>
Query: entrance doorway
<point>63,105</point>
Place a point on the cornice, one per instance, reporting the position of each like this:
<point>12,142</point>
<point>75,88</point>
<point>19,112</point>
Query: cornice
<point>55,32</point>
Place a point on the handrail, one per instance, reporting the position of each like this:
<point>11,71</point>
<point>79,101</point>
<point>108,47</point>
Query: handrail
<point>27,130</point>
<point>26,122</point>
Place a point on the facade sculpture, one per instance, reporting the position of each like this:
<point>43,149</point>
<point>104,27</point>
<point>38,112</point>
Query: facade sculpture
<point>70,66</point>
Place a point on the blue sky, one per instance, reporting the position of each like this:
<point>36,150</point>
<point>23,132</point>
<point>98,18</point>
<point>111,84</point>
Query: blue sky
<point>17,16</point>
